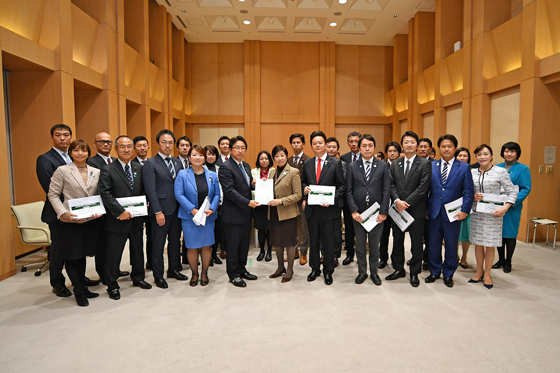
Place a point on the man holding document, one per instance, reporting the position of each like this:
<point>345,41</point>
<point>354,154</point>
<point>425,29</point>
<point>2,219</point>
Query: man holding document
<point>121,189</point>
<point>367,195</point>
<point>323,186</point>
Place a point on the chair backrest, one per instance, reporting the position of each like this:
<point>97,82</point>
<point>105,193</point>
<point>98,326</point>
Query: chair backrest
<point>29,215</point>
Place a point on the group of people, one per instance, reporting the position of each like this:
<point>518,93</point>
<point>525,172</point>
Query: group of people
<point>221,185</point>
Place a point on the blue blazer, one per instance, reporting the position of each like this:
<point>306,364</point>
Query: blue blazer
<point>186,193</point>
<point>459,184</point>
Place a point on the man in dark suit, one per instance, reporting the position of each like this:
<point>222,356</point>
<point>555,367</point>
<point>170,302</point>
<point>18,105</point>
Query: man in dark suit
<point>223,145</point>
<point>158,176</point>
<point>297,141</point>
<point>367,182</point>
<point>236,182</point>
<point>122,178</point>
<point>321,219</point>
<point>410,181</point>
<point>141,147</point>
<point>352,156</point>
<point>46,165</point>
<point>333,150</point>
<point>424,150</point>
<point>451,180</point>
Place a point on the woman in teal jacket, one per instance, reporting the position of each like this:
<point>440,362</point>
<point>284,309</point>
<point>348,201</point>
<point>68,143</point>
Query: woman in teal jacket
<point>520,176</point>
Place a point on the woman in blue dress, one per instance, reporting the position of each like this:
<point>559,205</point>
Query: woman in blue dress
<point>192,186</point>
<point>463,155</point>
<point>521,177</point>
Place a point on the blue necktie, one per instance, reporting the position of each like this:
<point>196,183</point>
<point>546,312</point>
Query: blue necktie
<point>444,173</point>
<point>244,173</point>
<point>129,175</point>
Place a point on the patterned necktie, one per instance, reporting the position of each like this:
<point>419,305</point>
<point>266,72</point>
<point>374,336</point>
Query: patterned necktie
<point>108,160</point>
<point>318,169</point>
<point>444,173</point>
<point>368,169</point>
<point>355,158</point>
<point>128,175</point>
<point>170,167</point>
<point>407,168</point>
<point>244,173</point>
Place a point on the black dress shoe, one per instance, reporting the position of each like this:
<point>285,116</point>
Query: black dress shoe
<point>328,279</point>
<point>425,266</point>
<point>408,262</point>
<point>361,278</point>
<point>431,278</point>
<point>313,275</point>
<point>161,283</point>
<point>349,259</point>
<point>382,264</point>
<point>177,275</point>
<point>124,273</point>
<point>238,282</point>
<point>498,264</point>
<point>142,284</point>
<point>414,281</point>
<point>89,282</point>
<point>114,294</point>
<point>81,300</point>
<point>260,256</point>
<point>90,294</point>
<point>376,280</point>
<point>395,275</point>
<point>248,276</point>
<point>62,291</point>
<point>448,281</point>
<point>507,268</point>
<point>216,259</point>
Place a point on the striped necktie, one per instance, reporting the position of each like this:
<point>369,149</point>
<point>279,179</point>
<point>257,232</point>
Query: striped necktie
<point>444,173</point>
<point>170,167</point>
<point>368,169</point>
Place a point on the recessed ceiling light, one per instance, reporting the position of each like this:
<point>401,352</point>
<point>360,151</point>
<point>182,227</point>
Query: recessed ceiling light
<point>241,1</point>
<point>246,22</point>
<point>342,1</point>
<point>183,10</point>
<point>395,15</point>
<point>333,24</point>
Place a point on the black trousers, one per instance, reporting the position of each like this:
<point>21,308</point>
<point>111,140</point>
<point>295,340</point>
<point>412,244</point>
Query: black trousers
<point>115,246</point>
<point>171,231</point>
<point>147,221</point>
<point>100,251</point>
<point>348,231</point>
<point>55,264</point>
<point>416,232</point>
<point>76,270</point>
<point>338,238</point>
<point>238,237</point>
<point>321,230</point>
<point>384,241</point>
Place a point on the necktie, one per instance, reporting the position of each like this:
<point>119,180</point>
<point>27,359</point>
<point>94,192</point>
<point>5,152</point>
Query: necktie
<point>170,167</point>
<point>444,173</point>
<point>318,169</point>
<point>355,158</point>
<point>244,173</point>
<point>227,158</point>
<point>108,160</point>
<point>128,175</point>
<point>368,169</point>
<point>66,158</point>
<point>407,168</point>
<point>295,161</point>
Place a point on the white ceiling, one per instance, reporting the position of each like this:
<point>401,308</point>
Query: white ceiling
<point>361,22</point>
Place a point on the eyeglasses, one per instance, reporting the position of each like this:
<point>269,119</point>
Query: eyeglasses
<point>239,148</point>
<point>125,147</point>
<point>167,142</point>
<point>105,142</point>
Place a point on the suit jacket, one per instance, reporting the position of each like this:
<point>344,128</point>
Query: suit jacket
<point>414,187</point>
<point>46,165</point>
<point>459,183</point>
<point>135,160</point>
<point>237,194</point>
<point>159,185</point>
<point>98,162</point>
<point>287,187</point>
<point>113,184</point>
<point>358,187</point>
<point>304,157</point>
<point>347,157</point>
<point>219,161</point>
<point>186,193</point>
<point>331,174</point>
<point>67,181</point>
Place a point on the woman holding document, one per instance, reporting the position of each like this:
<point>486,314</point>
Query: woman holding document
<point>195,187</point>
<point>262,171</point>
<point>283,212</point>
<point>77,236</point>
<point>486,226</point>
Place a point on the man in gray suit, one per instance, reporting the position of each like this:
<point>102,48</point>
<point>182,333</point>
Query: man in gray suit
<point>367,182</point>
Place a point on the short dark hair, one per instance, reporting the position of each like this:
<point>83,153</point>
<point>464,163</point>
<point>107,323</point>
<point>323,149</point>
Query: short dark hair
<point>235,139</point>
<point>270,161</point>
<point>409,134</point>
<point>511,146</point>
<point>165,132</point>
<point>139,138</point>
<point>449,137</point>
<point>199,149</point>
<point>120,137</point>
<point>279,148</point>
<point>433,151</point>
<point>79,144</point>
<point>296,135</point>
<point>223,138</point>
<point>395,144</point>
<point>366,136</point>
<point>354,133</point>
<point>425,139</point>
<point>60,127</point>
<point>333,139</point>
<point>381,155</point>
<point>482,146</point>
<point>185,138</point>
<point>463,150</point>
<point>212,149</point>
<point>317,133</point>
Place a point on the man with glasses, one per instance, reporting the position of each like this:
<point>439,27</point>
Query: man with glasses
<point>236,182</point>
<point>103,143</point>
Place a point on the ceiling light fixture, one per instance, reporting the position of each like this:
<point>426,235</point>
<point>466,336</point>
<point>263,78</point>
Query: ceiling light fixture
<point>342,1</point>
<point>395,15</point>
<point>246,22</point>
<point>241,1</point>
<point>333,24</point>
<point>183,10</point>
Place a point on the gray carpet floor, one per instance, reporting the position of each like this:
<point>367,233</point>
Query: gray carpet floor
<point>292,327</point>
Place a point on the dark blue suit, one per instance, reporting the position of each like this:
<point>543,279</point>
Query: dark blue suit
<point>459,184</point>
<point>159,187</point>
<point>46,165</point>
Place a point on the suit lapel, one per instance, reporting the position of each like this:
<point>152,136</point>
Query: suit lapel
<point>374,162</point>
<point>454,167</point>
<point>163,164</point>
<point>190,178</point>
<point>413,167</point>
<point>76,175</point>
<point>324,168</point>
<point>400,168</point>
<point>284,173</point>
<point>58,157</point>
<point>123,176</point>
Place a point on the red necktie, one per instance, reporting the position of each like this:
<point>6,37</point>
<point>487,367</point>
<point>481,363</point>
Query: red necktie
<point>108,160</point>
<point>226,158</point>
<point>318,169</point>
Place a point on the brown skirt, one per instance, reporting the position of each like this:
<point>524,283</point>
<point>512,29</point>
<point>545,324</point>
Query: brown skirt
<point>282,233</point>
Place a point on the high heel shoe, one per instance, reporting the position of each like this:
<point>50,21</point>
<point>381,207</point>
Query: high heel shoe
<point>203,282</point>
<point>489,286</point>
<point>277,274</point>
<point>194,280</point>
<point>473,281</point>
<point>286,279</point>
<point>260,256</point>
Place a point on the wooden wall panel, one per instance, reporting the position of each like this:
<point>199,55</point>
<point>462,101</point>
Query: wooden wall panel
<point>454,123</point>
<point>273,134</point>
<point>377,131</point>
<point>504,118</point>
<point>428,126</point>
<point>230,79</point>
